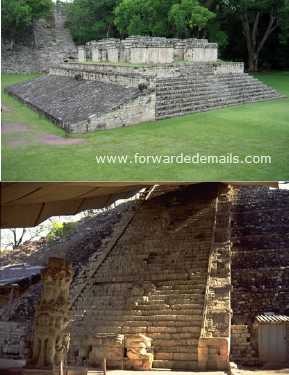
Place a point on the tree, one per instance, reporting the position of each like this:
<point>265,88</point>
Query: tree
<point>18,16</point>
<point>190,18</point>
<point>259,18</point>
<point>143,17</point>
<point>91,20</point>
<point>161,17</point>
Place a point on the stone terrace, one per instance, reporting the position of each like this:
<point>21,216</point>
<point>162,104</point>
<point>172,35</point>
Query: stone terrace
<point>70,101</point>
<point>87,97</point>
<point>103,93</point>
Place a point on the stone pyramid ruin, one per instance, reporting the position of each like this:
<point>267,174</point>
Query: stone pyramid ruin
<point>187,271</point>
<point>117,83</point>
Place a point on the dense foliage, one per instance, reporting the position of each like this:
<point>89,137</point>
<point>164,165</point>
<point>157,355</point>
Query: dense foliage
<point>91,19</point>
<point>18,15</point>
<point>256,31</point>
<point>259,19</point>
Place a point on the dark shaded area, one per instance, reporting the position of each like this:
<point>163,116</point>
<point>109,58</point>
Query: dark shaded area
<point>260,253</point>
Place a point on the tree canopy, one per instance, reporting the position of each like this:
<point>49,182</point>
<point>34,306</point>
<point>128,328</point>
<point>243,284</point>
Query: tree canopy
<point>253,30</point>
<point>190,18</point>
<point>184,18</point>
<point>19,15</point>
<point>259,19</point>
<point>91,19</point>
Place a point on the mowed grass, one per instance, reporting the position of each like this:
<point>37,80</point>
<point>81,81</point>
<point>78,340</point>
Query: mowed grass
<point>251,129</point>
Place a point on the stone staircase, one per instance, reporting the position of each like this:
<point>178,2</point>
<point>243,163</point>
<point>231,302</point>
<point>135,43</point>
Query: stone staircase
<point>203,90</point>
<point>54,42</point>
<point>49,44</point>
<point>260,256</point>
<point>153,282</point>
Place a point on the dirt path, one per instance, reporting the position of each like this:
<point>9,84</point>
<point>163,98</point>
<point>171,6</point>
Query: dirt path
<point>41,138</point>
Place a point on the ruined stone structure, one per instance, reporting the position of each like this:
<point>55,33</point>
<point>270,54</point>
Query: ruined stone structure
<point>174,284</point>
<point>50,336</point>
<point>146,50</point>
<point>120,83</point>
<point>50,43</point>
<point>260,266</point>
<point>184,280</point>
<point>138,352</point>
<point>154,282</point>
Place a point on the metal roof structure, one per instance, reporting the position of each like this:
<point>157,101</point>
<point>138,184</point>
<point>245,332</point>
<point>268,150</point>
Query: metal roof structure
<point>272,319</point>
<point>27,204</point>
<point>17,273</point>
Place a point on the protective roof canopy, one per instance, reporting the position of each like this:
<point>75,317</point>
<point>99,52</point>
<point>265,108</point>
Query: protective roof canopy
<point>272,319</point>
<point>27,204</point>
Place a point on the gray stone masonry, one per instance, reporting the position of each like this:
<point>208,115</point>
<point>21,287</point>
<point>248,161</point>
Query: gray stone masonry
<point>88,97</point>
<point>70,102</point>
<point>153,279</point>
<point>260,264</point>
<point>53,44</point>
<point>148,50</point>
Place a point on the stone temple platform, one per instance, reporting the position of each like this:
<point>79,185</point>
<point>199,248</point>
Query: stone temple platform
<point>110,88</point>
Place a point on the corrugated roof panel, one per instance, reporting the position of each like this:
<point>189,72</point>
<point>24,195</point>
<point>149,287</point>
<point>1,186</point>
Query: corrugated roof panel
<point>271,319</point>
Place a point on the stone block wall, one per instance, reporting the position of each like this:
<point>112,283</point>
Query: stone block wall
<point>135,111</point>
<point>128,79</point>
<point>243,345</point>
<point>153,280</point>
<point>260,264</point>
<point>229,67</point>
<point>148,50</point>
<point>52,45</point>
<point>214,344</point>
<point>13,340</point>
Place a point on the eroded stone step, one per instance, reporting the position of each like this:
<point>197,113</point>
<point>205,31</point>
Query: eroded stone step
<point>184,111</point>
<point>176,365</point>
<point>212,88</point>
<point>211,94</point>
<point>191,103</point>
<point>176,356</point>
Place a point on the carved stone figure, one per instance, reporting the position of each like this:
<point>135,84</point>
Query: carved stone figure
<point>138,352</point>
<point>110,347</point>
<point>51,339</point>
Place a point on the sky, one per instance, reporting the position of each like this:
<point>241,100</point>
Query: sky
<point>41,230</point>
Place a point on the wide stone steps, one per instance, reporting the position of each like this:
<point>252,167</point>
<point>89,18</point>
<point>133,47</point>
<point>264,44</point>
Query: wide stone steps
<point>176,356</point>
<point>206,89</point>
<point>148,317</point>
<point>179,96</point>
<point>176,365</point>
<point>199,83</point>
<point>206,107</point>
<point>207,79</point>
<point>199,105</point>
<point>182,99</point>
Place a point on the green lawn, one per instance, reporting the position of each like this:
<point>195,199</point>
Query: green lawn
<point>253,129</point>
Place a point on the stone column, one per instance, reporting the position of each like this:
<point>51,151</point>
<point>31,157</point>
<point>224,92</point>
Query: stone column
<point>95,53</point>
<point>81,54</point>
<point>50,336</point>
<point>214,342</point>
